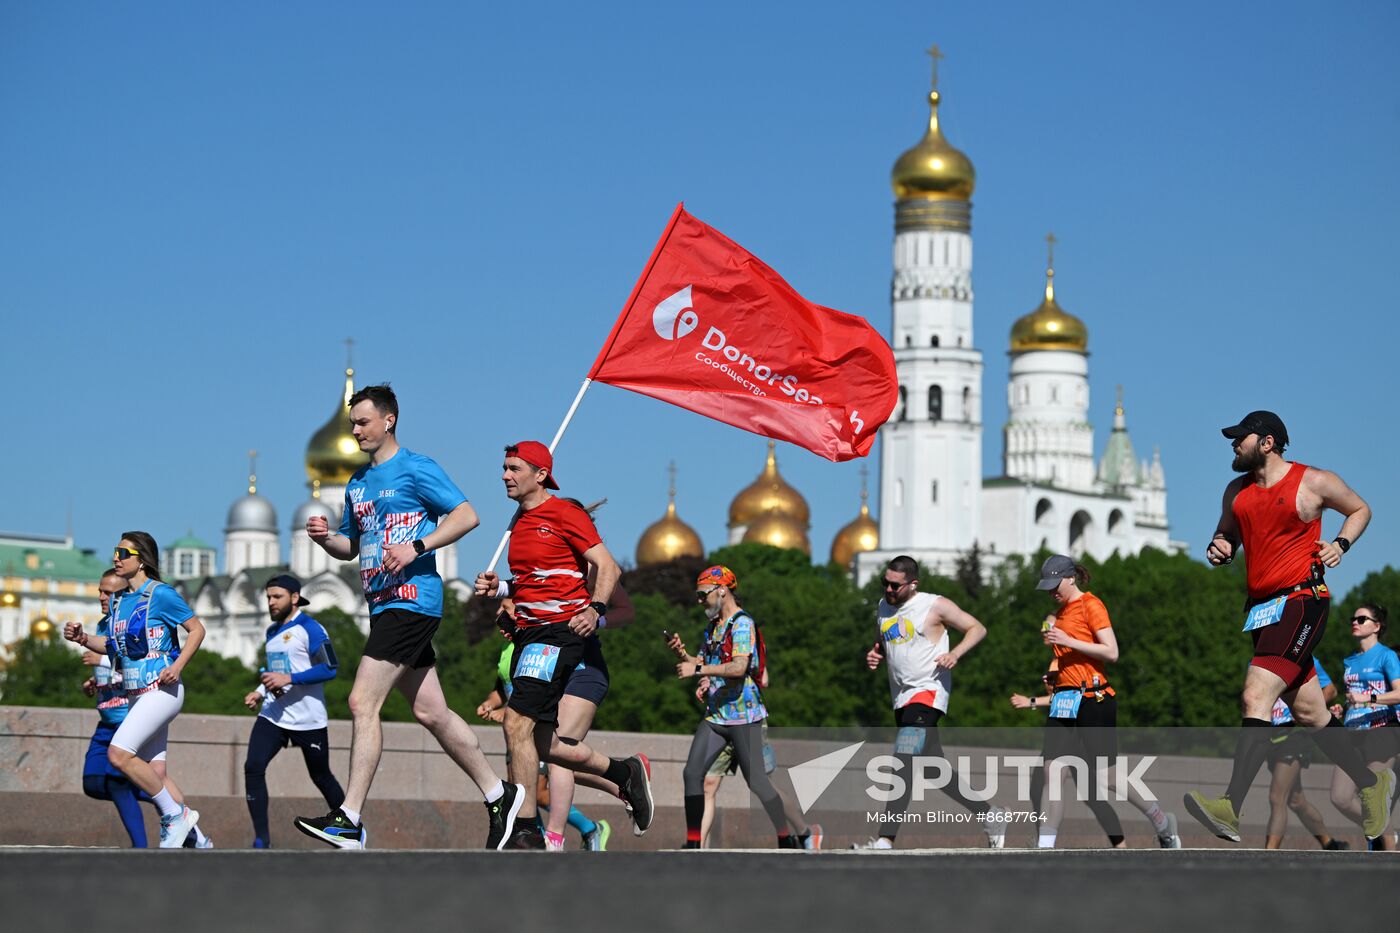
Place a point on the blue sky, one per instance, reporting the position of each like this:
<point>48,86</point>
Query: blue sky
<point>199,202</point>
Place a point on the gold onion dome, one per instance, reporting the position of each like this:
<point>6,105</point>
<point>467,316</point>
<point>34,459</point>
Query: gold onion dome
<point>668,538</point>
<point>333,455</point>
<point>9,600</point>
<point>934,169</point>
<point>1049,327</point>
<point>769,493</point>
<point>860,535</point>
<point>42,628</point>
<point>778,530</point>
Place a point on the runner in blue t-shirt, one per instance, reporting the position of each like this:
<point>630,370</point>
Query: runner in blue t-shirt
<point>1290,751</point>
<point>143,642</point>
<point>398,509</point>
<point>101,779</point>
<point>1372,679</point>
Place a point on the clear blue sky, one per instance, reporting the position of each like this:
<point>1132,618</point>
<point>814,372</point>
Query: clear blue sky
<point>199,201</point>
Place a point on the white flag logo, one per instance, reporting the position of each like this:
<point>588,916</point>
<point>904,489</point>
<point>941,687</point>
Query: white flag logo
<point>811,778</point>
<point>668,319</point>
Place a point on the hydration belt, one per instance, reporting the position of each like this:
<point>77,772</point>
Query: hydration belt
<point>1315,583</point>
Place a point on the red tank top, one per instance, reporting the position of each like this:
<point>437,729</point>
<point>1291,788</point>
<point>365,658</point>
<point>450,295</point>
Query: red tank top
<point>1280,548</point>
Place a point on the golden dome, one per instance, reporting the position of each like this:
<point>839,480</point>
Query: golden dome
<point>333,455</point>
<point>933,170</point>
<point>862,534</point>
<point>1049,327</point>
<point>668,538</point>
<point>10,600</point>
<point>42,628</point>
<point>769,493</point>
<point>779,530</point>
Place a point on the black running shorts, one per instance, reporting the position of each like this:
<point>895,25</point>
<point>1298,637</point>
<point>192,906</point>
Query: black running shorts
<point>402,637</point>
<point>1286,647</point>
<point>545,657</point>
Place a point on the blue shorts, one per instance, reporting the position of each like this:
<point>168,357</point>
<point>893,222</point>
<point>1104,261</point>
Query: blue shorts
<point>589,680</point>
<point>96,761</point>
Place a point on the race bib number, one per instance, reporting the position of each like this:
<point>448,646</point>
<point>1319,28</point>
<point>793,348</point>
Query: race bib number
<point>538,661</point>
<point>278,662</point>
<point>1065,704</point>
<point>1264,614</point>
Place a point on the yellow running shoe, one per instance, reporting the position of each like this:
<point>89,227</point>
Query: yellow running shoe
<point>1375,804</point>
<point>1216,814</point>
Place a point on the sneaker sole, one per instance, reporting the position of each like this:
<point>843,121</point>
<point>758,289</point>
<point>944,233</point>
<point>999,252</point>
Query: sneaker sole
<point>1205,819</point>
<point>638,830</point>
<point>194,821</point>
<point>339,842</point>
<point>511,814</point>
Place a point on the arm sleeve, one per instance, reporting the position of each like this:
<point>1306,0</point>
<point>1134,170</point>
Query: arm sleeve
<point>436,491</point>
<point>323,660</point>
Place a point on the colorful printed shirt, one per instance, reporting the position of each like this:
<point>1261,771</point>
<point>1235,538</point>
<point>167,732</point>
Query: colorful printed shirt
<point>732,701</point>
<point>396,502</point>
<point>1282,715</point>
<point>144,641</point>
<point>549,575</point>
<point>111,697</point>
<point>299,647</point>
<point>1371,671</point>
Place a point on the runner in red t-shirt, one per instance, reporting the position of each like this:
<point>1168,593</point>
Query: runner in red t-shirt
<point>553,549</point>
<point>1274,512</point>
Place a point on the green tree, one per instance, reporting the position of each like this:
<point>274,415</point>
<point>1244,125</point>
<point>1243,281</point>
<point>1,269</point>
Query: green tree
<point>45,673</point>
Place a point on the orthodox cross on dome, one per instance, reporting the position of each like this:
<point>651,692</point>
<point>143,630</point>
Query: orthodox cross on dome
<point>1118,409</point>
<point>252,472</point>
<point>349,355</point>
<point>864,477</point>
<point>671,472</point>
<point>936,54</point>
<point>1050,241</point>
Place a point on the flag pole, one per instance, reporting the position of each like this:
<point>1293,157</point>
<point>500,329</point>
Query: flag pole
<point>563,426</point>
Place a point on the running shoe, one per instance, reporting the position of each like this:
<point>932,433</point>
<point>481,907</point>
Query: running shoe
<point>875,842</point>
<point>637,793</point>
<point>174,829</point>
<point>691,845</point>
<point>1375,804</point>
<point>261,844</point>
<point>501,816</point>
<point>1169,838</point>
<point>334,829</point>
<point>1216,814</point>
<point>1337,845</point>
<point>994,825</point>
<point>526,835</point>
<point>813,839</point>
<point>207,843</point>
<point>789,842</point>
<point>553,842</point>
<point>597,841</point>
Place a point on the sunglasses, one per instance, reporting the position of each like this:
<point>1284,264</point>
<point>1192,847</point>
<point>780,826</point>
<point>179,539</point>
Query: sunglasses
<point>702,595</point>
<point>891,585</point>
<point>1362,620</point>
<point>122,553</point>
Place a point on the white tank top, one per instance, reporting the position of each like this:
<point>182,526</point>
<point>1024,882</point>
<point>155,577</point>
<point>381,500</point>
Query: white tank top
<point>909,655</point>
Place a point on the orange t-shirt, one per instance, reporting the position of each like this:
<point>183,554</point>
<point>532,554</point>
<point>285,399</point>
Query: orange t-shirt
<point>1080,620</point>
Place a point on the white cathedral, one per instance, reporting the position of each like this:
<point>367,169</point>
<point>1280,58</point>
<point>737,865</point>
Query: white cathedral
<point>935,501</point>
<point>232,605</point>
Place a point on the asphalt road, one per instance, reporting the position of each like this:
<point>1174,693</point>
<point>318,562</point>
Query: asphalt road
<point>899,892</point>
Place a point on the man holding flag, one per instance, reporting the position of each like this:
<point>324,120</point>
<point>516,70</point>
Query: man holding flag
<point>553,546</point>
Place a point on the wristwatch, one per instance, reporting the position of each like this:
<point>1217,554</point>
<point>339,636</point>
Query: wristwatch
<point>698,665</point>
<point>1342,543</point>
<point>419,547</point>
<point>598,607</point>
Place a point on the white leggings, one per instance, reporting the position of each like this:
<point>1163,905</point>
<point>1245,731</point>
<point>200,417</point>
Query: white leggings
<point>147,724</point>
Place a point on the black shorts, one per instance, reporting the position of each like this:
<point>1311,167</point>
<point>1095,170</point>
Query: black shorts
<point>1286,647</point>
<point>545,657</point>
<point>589,681</point>
<point>1091,734</point>
<point>1288,744</point>
<point>402,637</point>
<point>1377,744</point>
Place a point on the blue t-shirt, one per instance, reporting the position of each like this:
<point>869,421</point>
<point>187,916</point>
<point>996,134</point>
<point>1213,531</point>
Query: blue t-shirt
<point>144,641</point>
<point>111,698</point>
<point>396,502</point>
<point>1371,672</point>
<point>1283,716</point>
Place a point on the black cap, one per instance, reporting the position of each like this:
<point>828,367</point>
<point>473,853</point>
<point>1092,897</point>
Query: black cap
<point>1056,568</point>
<point>1261,423</point>
<point>291,584</point>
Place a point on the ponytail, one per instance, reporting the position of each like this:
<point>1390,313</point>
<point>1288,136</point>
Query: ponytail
<point>1081,576</point>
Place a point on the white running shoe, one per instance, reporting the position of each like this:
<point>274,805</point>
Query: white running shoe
<point>994,825</point>
<point>1169,838</point>
<point>174,829</point>
<point>876,842</point>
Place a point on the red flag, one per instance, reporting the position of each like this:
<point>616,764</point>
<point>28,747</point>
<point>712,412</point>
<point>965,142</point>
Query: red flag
<point>711,328</point>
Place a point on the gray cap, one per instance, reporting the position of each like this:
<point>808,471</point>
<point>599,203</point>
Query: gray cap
<point>1055,569</point>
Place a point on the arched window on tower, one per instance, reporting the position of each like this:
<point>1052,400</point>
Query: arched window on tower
<point>967,404</point>
<point>935,403</point>
<point>933,341</point>
<point>908,340</point>
<point>903,404</point>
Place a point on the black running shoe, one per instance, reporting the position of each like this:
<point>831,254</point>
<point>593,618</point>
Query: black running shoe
<point>690,844</point>
<point>637,793</point>
<point>1337,845</point>
<point>525,836</point>
<point>789,842</point>
<point>334,829</point>
<point>501,816</point>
